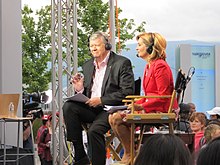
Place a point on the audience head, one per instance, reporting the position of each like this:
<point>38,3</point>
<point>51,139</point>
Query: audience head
<point>209,155</point>
<point>151,46</point>
<point>214,113</point>
<point>163,149</point>
<point>214,121</point>
<point>45,119</point>
<point>211,131</point>
<point>192,108</point>
<point>184,111</point>
<point>197,121</point>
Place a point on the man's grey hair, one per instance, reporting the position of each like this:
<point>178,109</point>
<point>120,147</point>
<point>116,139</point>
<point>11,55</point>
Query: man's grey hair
<point>99,34</point>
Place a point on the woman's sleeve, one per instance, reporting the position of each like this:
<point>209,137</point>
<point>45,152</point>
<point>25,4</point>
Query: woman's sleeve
<point>163,87</point>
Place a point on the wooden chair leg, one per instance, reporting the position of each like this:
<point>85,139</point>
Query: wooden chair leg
<point>171,129</point>
<point>114,150</point>
<point>114,153</point>
<point>109,138</point>
<point>119,148</point>
<point>140,137</point>
<point>132,143</point>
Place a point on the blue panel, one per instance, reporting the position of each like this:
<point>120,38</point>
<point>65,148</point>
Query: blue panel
<point>203,82</point>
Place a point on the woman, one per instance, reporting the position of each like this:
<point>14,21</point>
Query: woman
<point>45,141</point>
<point>211,132</point>
<point>157,80</point>
<point>197,124</point>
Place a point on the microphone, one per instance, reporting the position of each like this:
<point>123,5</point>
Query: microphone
<point>178,79</point>
<point>137,55</point>
<point>189,76</point>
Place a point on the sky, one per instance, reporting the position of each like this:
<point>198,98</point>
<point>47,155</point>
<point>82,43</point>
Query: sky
<point>174,19</point>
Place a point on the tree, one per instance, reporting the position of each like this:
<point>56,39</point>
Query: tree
<point>93,15</point>
<point>35,49</point>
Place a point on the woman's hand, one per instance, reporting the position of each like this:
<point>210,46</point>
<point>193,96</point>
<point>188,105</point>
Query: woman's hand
<point>137,107</point>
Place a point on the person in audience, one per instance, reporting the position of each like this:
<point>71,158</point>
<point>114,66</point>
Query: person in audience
<point>214,113</point>
<point>43,140</point>
<point>197,124</point>
<point>211,131</point>
<point>182,124</point>
<point>27,137</point>
<point>157,80</point>
<point>192,108</point>
<point>108,79</point>
<point>164,149</point>
<point>209,155</point>
<point>213,121</point>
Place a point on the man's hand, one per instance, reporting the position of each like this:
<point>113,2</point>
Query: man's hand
<point>94,102</point>
<point>77,81</point>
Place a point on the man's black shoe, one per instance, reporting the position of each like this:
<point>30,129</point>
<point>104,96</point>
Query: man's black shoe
<point>83,161</point>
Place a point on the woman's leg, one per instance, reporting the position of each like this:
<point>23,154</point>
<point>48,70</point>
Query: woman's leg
<point>122,131</point>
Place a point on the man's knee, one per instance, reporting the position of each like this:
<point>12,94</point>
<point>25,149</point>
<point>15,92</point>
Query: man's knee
<point>68,108</point>
<point>94,132</point>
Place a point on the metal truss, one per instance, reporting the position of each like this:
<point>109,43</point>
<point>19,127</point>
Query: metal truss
<point>64,59</point>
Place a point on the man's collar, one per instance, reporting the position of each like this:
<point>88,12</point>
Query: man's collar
<point>105,60</point>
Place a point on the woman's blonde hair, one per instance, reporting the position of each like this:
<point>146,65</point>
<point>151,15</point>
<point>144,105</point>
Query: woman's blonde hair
<point>209,130</point>
<point>158,43</point>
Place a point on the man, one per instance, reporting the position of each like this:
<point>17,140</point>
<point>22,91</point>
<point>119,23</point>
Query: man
<point>108,78</point>
<point>192,108</point>
<point>182,124</point>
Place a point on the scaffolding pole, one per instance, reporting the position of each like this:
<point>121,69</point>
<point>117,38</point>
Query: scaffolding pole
<point>112,24</point>
<point>64,59</point>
